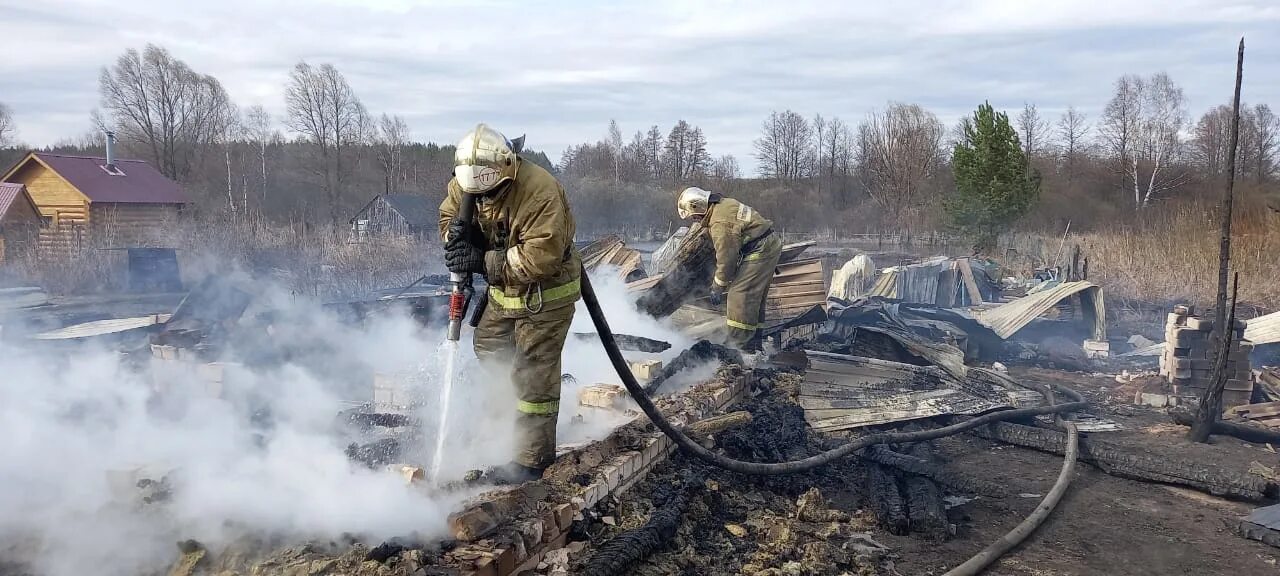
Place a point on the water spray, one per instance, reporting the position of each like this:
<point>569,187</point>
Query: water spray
<point>459,300</point>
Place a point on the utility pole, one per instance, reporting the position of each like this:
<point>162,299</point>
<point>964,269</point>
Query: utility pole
<point>1211,402</point>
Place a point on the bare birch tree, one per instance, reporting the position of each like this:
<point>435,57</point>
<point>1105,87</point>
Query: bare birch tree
<point>899,151</point>
<point>1211,140</point>
<point>257,125</point>
<point>324,109</point>
<point>1033,130</point>
<point>393,135</point>
<point>1265,143</point>
<point>158,104</point>
<point>615,149</point>
<point>6,125</point>
<point>725,168</point>
<point>1141,126</point>
<point>784,146</point>
<point>1073,130</point>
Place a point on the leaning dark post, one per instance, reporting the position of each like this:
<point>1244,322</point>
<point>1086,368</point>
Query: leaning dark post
<point>1211,401</point>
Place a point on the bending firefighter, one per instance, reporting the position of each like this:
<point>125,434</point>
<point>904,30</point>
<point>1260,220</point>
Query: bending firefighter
<point>747,252</point>
<point>522,242</point>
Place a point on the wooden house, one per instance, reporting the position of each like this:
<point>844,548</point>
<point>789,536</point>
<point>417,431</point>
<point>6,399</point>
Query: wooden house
<point>91,202</point>
<point>395,215</point>
<point>19,221</point>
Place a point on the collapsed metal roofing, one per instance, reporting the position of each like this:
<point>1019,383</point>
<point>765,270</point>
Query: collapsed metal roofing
<point>841,392</point>
<point>1005,320</point>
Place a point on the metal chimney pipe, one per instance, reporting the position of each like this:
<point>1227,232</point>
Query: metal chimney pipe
<point>111,150</point>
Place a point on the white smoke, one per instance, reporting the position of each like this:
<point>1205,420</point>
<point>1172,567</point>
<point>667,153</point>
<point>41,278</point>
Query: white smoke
<point>80,429</point>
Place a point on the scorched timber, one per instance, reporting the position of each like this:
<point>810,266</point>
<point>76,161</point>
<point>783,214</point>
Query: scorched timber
<point>954,480</point>
<point>886,500</point>
<point>626,550</point>
<point>1118,463</point>
<point>927,513</point>
<point>1242,431</point>
<point>689,276</point>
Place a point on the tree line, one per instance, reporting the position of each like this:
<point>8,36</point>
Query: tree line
<point>895,169</point>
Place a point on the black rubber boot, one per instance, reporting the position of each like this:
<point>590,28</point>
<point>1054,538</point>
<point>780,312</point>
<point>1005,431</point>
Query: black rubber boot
<point>512,473</point>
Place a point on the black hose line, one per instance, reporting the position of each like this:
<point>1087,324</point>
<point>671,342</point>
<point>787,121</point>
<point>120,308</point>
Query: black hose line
<point>805,464</point>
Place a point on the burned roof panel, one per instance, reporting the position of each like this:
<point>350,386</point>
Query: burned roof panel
<point>1005,320</point>
<point>842,392</point>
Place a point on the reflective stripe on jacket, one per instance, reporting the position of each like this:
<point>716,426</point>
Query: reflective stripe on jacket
<point>531,222</point>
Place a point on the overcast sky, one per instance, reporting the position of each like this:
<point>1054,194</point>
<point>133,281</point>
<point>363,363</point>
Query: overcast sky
<point>559,71</point>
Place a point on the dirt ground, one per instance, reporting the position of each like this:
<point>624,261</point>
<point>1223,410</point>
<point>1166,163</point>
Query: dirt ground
<point>1105,524</point>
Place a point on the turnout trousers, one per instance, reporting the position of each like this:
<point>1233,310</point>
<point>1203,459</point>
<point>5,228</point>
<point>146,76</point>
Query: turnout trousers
<point>531,347</point>
<point>745,301</point>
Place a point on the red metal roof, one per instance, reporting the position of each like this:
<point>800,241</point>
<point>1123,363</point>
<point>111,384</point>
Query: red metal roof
<point>10,193</point>
<point>140,183</point>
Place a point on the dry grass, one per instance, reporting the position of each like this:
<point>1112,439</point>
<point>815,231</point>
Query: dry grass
<point>1170,255</point>
<point>319,261</point>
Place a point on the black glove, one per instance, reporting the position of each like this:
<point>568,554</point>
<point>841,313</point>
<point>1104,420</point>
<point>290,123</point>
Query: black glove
<point>464,252</point>
<point>716,297</point>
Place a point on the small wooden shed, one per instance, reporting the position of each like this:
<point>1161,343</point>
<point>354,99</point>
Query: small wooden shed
<point>93,202</point>
<point>19,221</point>
<point>395,215</point>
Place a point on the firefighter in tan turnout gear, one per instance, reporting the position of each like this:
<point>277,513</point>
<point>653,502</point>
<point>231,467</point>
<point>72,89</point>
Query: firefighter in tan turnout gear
<point>747,252</point>
<point>522,242</point>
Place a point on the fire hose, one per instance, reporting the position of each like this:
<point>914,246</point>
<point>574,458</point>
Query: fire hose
<point>695,449</point>
<point>974,565</point>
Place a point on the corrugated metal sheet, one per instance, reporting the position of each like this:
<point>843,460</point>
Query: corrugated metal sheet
<point>1263,329</point>
<point>101,327</point>
<point>1005,320</point>
<point>842,392</point>
<point>940,281</point>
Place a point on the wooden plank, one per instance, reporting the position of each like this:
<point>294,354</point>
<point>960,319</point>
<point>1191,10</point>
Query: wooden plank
<point>1252,411</point>
<point>805,289</point>
<point>795,301</point>
<point>798,268</point>
<point>970,284</point>
<point>792,251</point>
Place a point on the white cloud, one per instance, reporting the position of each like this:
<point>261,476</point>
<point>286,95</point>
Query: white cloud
<point>560,70</point>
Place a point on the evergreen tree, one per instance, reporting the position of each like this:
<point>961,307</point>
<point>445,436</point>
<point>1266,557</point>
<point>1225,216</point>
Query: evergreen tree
<point>994,184</point>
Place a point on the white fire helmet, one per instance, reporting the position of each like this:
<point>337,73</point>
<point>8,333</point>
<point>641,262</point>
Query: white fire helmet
<point>694,201</point>
<point>484,159</point>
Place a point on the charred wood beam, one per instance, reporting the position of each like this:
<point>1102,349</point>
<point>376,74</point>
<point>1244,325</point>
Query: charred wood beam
<point>496,509</point>
<point>886,500</point>
<point>1242,431</point>
<point>957,481</point>
<point>1116,462</point>
<point>628,549</point>
<point>701,352</point>
<point>927,514</point>
<point>628,342</point>
<point>690,276</point>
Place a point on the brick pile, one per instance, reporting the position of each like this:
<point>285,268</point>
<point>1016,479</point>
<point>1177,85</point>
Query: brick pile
<point>1187,360</point>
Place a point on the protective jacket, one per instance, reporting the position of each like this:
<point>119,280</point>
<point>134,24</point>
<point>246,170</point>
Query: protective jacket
<point>734,226</point>
<point>529,221</point>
